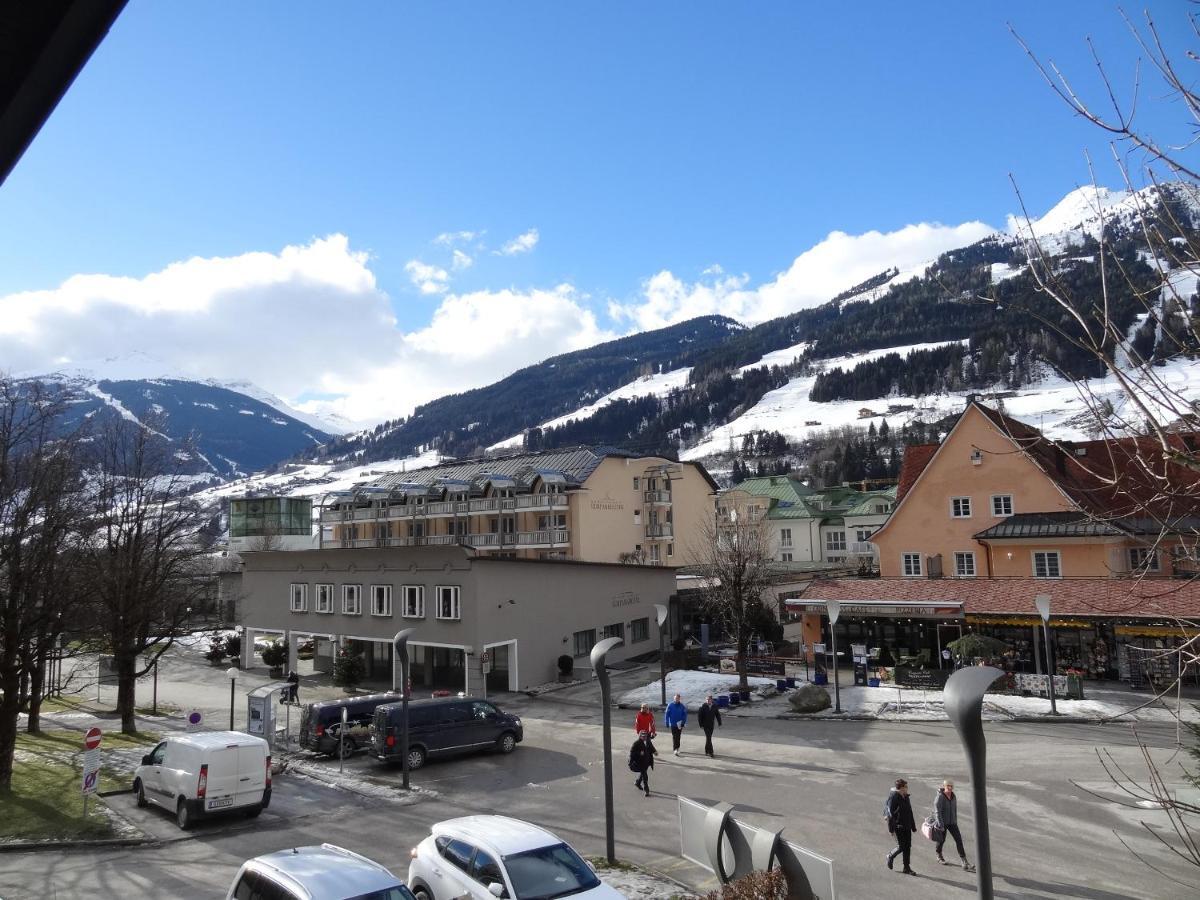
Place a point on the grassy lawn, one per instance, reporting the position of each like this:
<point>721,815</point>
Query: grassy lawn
<point>46,802</point>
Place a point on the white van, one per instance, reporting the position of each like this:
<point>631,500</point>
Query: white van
<point>199,773</point>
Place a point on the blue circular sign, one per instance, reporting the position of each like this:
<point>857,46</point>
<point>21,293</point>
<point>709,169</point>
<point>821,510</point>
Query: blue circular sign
<point>194,717</point>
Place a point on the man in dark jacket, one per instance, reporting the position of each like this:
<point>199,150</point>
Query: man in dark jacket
<point>709,717</point>
<point>900,822</point>
<point>641,760</point>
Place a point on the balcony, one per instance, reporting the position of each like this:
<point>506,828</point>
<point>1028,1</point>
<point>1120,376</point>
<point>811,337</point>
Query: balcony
<point>861,548</point>
<point>442,540</point>
<point>555,537</point>
<point>657,498</point>
<point>665,530</point>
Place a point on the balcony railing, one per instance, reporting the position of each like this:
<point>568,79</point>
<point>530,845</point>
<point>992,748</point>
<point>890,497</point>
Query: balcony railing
<point>861,548</point>
<point>665,530</point>
<point>553,537</point>
<point>452,508</point>
<point>657,496</point>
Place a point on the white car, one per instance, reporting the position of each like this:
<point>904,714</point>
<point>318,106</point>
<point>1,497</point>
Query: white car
<point>486,857</point>
<point>315,873</point>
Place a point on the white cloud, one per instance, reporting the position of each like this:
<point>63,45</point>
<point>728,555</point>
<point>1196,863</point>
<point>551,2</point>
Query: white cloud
<point>461,261</point>
<point>428,279</point>
<point>450,238</point>
<point>815,276</point>
<point>307,321</point>
<point>522,243</point>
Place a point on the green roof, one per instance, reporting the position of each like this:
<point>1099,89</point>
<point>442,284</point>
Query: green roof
<point>777,487</point>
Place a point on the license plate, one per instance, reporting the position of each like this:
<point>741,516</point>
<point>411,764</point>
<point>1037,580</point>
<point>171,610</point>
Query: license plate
<point>220,802</point>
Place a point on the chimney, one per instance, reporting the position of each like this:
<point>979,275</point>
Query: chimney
<point>971,398</point>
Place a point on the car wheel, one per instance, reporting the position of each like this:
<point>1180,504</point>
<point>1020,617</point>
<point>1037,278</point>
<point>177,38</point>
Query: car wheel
<point>507,742</point>
<point>344,749</point>
<point>141,793</point>
<point>422,893</point>
<point>416,758</point>
<point>183,818</point>
<point>254,812</point>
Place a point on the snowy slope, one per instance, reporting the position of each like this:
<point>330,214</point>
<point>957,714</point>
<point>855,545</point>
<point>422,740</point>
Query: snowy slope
<point>328,424</point>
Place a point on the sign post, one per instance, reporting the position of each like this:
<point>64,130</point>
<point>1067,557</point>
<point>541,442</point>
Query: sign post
<point>91,764</point>
<point>485,668</point>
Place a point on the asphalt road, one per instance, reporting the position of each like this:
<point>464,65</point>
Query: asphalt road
<point>822,782</point>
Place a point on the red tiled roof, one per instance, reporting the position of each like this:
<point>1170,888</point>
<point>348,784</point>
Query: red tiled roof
<point>916,458</point>
<point>1152,598</point>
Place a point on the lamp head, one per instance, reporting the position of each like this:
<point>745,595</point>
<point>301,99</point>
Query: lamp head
<point>834,608</point>
<point>1042,602</point>
<point>232,673</point>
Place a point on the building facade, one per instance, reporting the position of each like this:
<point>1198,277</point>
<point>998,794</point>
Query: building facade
<point>271,523</point>
<point>524,613</point>
<point>590,504</point>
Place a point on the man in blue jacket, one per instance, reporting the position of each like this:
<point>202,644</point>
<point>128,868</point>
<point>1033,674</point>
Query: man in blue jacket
<point>675,718</point>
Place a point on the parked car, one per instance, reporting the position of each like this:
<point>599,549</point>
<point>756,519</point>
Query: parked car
<point>486,857</point>
<point>315,873</point>
<point>443,725</point>
<point>321,723</point>
<point>198,774</point>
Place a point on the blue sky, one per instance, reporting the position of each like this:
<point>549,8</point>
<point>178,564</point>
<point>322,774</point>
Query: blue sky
<point>630,139</point>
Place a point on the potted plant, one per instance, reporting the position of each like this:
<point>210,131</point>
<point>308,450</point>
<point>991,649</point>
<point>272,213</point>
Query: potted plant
<point>275,656</point>
<point>216,650</point>
<point>233,649</point>
<point>566,665</point>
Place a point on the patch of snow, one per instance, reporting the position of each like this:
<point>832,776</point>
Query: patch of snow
<point>692,686</point>
<point>329,424</point>
<point>1003,272</point>
<point>246,412</point>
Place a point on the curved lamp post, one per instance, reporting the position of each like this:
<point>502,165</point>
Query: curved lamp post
<point>599,652</point>
<point>1042,602</point>
<point>834,608</point>
<point>963,702</point>
<point>400,643</point>
<point>232,673</point>
<point>661,612</point>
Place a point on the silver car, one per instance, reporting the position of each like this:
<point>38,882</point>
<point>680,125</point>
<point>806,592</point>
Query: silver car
<point>315,873</point>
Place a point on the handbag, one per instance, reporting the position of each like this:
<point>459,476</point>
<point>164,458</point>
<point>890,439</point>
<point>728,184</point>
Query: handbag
<point>930,829</point>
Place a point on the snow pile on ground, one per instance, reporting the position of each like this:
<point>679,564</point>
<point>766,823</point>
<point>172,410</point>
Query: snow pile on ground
<point>634,883</point>
<point>693,687</point>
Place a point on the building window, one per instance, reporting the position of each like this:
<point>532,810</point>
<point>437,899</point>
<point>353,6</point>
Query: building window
<point>1002,505</point>
<point>324,598</point>
<point>785,556</point>
<point>785,537</point>
<point>964,565</point>
<point>910,564</point>
<point>654,558</point>
<point>414,601</point>
<point>637,483</point>
<point>352,599</point>
<point>864,535</point>
<point>381,599</point>
<point>960,507</point>
<point>585,641</point>
<point>1143,559</point>
<point>616,630</point>
<point>639,630</point>
<point>835,541</point>
<point>448,602</point>
<point>299,595</point>
<point>1047,564</point>
<point>670,549</point>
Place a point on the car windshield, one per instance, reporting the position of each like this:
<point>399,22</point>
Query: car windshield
<point>398,892</point>
<point>548,872</point>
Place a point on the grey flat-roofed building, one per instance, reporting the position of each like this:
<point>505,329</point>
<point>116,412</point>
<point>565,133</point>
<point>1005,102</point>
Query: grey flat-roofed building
<point>524,613</point>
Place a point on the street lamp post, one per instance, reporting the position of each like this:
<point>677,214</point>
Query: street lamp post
<point>1042,602</point>
<point>963,702</point>
<point>834,609</point>
<point>661,611</point>
<point>599,652</point>
<point>232,673</point>
<point>400,642</point>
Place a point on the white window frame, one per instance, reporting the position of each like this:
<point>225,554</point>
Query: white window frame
<point>639,630</point>
<point>454,593</point>
<point>323,599</point>
<point>381,592</point>
<point>904,564</point>
<point>1047,554</point>
<point>1002,498</point>
<point>832,541</point>
<point>785,537</point>
<point>298,597</point>
<point>589,637</point>
<point>785,556</point>
<point>351,599</point>
<point>957,504</point>
<point>407,592</point>
<point>964,556</point>
<point>1143,559</point>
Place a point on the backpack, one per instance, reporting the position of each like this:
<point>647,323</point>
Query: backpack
<point>889,813</point>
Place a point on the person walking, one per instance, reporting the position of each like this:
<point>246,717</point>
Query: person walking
<point>641,760</point>
<point>644,721</point>
<point>709,717</point>
<point>899,816</point>
<point>945,819</point>
<point>675,718</point>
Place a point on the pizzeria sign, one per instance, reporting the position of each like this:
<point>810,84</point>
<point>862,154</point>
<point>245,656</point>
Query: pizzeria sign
<point>948,609</point>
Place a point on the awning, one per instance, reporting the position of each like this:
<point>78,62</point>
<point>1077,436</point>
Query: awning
<point>934,609</point>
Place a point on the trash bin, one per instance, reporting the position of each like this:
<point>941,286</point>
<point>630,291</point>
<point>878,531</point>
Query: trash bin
<point>744,696</point>
<point>872,682</point>
<point>1074,687</point>
<point>791,681</point>
<point>722,701</point>
<point>734,699</point>
<point>781,685</point>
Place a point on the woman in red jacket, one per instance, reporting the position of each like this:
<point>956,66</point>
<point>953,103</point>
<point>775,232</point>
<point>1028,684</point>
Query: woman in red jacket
<point>644,721</point>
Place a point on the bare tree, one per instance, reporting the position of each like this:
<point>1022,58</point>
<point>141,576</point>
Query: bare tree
<point>734,560</point>
<point>39,515</point>
<point>145,565</point>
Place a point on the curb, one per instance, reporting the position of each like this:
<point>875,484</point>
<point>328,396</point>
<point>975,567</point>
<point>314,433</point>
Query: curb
<point>18,847</point>
<point>319,775</point>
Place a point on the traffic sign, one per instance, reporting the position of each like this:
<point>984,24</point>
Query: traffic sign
<point>91,740</point>
<point>194,718</point>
